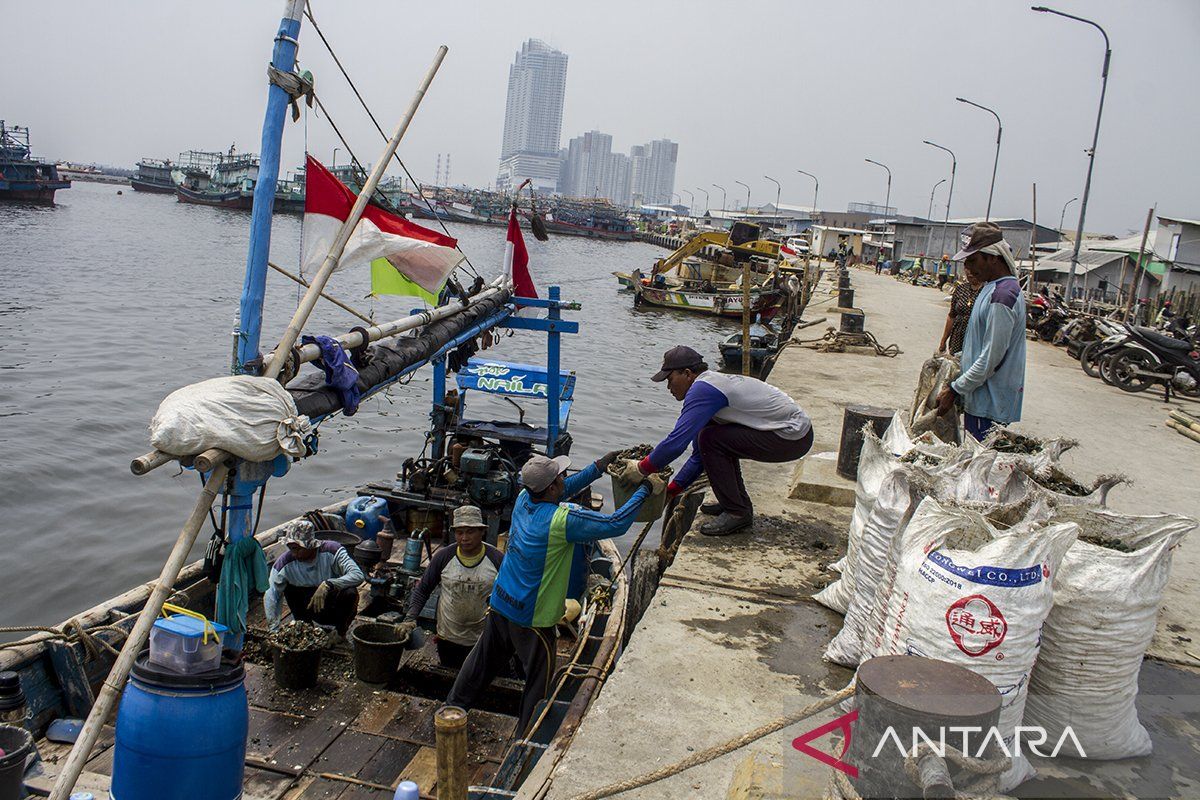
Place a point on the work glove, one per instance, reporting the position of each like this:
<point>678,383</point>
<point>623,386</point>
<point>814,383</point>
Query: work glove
<point>405,629</point>
<point>606,459</point>
<point>655,483</point>
<point>317,604</point>
<point>628,473</point>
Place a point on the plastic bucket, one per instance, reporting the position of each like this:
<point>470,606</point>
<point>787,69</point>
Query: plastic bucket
<point>296,669</point>
<point>377,651</point>
<point>16,744</point>
<point>651,509</point>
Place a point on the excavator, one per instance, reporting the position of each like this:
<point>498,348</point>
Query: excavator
<point>742,240</point>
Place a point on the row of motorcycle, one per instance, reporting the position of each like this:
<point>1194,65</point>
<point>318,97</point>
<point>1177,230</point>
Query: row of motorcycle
<point>1131,357</point>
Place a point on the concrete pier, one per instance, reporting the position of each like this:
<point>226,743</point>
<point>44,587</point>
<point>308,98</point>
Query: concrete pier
<point>733,640</point>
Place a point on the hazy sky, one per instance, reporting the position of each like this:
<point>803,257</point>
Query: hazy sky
<point>747,89</point>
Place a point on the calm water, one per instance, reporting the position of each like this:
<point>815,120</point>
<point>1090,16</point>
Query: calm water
<point>108,303</point>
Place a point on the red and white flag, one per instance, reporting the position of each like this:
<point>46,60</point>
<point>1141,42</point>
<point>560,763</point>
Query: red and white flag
<point>516,260</point>
<point>424,256</point>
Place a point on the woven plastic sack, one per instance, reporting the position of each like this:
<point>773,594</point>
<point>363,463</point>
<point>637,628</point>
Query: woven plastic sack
<point>936,373</point>
<point>974,595</point>
<point>1105,608</point>
<point>250,417</point>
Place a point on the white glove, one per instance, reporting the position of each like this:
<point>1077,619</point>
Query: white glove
<point>628,473</point>
<point>317,604</point>
<point>656,483</point>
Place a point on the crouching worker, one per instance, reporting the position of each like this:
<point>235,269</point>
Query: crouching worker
<point>545,552</point>
<point>726,418</point>
<point>466,573</point>
<point>318,579</point>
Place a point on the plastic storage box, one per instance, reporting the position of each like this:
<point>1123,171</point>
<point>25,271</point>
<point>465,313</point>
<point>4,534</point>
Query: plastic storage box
<point>186,644</point>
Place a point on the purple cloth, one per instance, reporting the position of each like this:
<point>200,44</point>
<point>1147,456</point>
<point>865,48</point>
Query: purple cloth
<point>340,373</point>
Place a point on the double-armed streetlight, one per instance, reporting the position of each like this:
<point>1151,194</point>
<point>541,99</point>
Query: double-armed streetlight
<point>698,189</point>
<point>887,203</point>
<point>1087,184</point>
<point>953,169</point>
<point>778,191</point>
<point>996,162</point>
<point>723,201</point>
<point>747,188</point>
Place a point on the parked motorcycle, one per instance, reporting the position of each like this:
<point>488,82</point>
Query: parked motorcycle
<point>1094,354</point>
<point>1045,316</point>
<point>1151,358</point>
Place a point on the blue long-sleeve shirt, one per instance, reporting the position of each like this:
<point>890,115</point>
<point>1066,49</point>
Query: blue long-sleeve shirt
<point>545,556</point>
<point>992,383</point>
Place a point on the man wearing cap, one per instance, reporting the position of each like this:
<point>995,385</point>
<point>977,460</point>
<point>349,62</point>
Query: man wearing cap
<point>992,384</point>
<point>466,573</point>
<point>726,418</point>
<point>544,564</point>
<point>318,579</point>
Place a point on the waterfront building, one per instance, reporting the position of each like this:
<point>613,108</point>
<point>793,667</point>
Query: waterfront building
<point>592,169</point>
<point>652,172</point>
<point>537,82</point>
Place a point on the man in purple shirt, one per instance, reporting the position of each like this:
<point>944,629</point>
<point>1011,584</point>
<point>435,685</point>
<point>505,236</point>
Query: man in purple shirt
<point>725,418</point>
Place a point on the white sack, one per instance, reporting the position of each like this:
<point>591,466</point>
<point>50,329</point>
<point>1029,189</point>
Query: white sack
<point>250,417</point>
<point>877,458</point>
<point>1105,608</point>
<point>981,606</point>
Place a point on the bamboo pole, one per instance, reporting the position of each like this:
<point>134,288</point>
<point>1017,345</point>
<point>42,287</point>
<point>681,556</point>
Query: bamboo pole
<point>333,300</point>
<point>746,318</point>
<point>150,461</point>
<point>450,729</point>
<point>1189,433</point>
<point>1186,420</point>
<point>292,333</point>
<point>1033,242</point>
<point>115,681</point>
<point>1139,268</point>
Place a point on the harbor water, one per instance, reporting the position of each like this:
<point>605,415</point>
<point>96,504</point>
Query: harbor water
<point>110,301</point>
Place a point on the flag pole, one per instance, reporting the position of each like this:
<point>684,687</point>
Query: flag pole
<point>292,333</point>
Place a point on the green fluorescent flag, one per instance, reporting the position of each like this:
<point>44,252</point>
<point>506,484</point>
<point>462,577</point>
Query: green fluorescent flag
<point>386,279</point>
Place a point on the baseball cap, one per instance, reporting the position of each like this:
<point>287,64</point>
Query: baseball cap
<point>678,357</point>
<point>468,517</point>
<point>539,471</point>
<point>977,237</point>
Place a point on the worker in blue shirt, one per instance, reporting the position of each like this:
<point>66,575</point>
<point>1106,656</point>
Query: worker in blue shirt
<point>542,566</point>
<point>992,384</point>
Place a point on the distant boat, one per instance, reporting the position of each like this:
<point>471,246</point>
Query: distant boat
<point>22,177</point>
<point>153,175</point>
<point>227,180</point>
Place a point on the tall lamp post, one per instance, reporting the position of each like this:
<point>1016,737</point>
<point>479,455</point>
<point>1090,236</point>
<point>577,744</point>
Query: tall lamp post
<point>929,213</point>
<point>778,191</point>
<point>334,163</point>
<point>887,203</point>
<point>995,163</point>
<point>747,188</point>
<point>692,197</point>
<point>816,187</point>
<point>1063,216</point>
<point>698,189</point>
<point>723,201</point>
<point>745,299</point>
<point>950,197</point>
<point>1087,185</point>
<point>812,218</point>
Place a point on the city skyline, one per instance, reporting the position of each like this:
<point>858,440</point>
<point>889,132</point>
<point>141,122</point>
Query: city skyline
<point>644,176</point>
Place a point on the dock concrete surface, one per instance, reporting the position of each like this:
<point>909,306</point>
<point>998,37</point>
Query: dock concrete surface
<point>733,640</point>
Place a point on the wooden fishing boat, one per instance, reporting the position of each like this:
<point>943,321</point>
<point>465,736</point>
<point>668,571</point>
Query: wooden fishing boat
<point>722,304</point>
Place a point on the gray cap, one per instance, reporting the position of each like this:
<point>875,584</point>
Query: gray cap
<point>302,534</point>
<point>540,471</point>
<point>977,237</point>
<point>678,357</point>
<point>468,517</point>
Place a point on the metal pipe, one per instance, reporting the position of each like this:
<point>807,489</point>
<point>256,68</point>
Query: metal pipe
<point>1087,185</point>
<point>949,197</point>
<point>999,130</point>
<point>115,682</point>
<point>292,333</point>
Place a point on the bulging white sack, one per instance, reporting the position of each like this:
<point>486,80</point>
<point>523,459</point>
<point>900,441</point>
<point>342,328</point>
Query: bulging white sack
<point>250,417</point>
<point>1105,607</point>
<point>973,595</point>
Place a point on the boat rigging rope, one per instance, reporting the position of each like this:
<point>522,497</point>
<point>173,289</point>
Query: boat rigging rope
<point>308,13</point>
<point>72,631</point>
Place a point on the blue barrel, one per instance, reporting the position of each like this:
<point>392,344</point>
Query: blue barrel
<point>181,737</point>
<point>362,516</point>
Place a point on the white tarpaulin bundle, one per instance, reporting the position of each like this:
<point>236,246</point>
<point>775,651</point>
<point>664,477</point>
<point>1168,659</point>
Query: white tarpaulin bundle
<point>250,417</point>
<point>1105,606</point>
<point>970,594</point>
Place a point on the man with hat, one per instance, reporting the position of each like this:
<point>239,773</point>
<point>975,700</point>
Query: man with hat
<point>544,564</point>
<point>992,384</point>
<point>726,418</point>
<point>466,573</point>
<point>318,579</point>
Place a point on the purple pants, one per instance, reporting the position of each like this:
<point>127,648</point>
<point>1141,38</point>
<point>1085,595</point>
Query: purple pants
<point>722,447</point>
<point>978,427</point>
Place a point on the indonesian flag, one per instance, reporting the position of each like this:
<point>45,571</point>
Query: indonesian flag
<point>787,251</point>
<point>516,260</point>
<point>426,257</point>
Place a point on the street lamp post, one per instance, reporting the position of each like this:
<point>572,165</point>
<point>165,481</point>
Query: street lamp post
<point>1063,216</point>
<point>334,163</point>
<point>722,188</point>
<point>692,200</point>
<point>778,191</point>
<point>887,202</point>
<point>950,197</point>
<point>739,183</point>
<point>816,187</point>
<point>1087,185</point>
<point>812,218</point>
<point>745,299</point>
<point>999,130</point>
<point>698,189</point>
<point>928,214</point>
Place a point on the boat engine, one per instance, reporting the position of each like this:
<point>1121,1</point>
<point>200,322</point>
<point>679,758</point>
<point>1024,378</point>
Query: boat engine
<point>488,476</point>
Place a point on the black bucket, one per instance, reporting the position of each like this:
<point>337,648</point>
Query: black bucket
<point>377,651</point>
<point>296,669</point>
<point>16,744</point>
<point>344,538</point>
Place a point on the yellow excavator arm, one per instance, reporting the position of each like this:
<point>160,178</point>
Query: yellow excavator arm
<point>690,248</point>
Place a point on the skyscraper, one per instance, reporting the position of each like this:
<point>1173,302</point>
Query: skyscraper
<point>652,171</point>
<point>591,169</point>
<point>537,81</point>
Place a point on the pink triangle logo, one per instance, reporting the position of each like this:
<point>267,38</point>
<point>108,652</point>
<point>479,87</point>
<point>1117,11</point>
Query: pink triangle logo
<point>843,724</point>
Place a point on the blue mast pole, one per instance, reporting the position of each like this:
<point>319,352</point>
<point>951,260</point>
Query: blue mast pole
<point>248,478</point>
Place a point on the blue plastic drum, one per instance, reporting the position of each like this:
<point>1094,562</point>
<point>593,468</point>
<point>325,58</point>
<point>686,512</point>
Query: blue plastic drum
<point>181,737</point>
